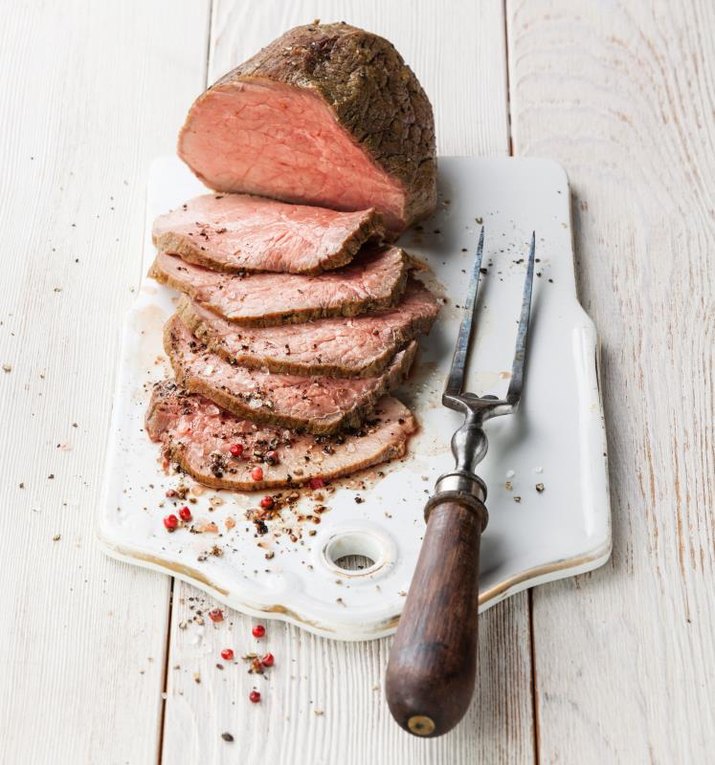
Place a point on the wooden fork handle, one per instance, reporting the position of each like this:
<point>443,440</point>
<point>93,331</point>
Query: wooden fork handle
<point>432,665</point>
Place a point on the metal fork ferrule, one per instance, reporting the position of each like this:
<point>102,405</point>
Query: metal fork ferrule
<point>462,482</point>
<point>464,499</point>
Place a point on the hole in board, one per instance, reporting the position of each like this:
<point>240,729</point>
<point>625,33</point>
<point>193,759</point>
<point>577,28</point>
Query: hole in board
<point>354,562</point>
<point>355,552</point>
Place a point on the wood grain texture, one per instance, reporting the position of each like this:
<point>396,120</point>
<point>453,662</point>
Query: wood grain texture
<point>83,113</point>
<point>431,671</point>
<point>623,95</point>
<point>323,702</point>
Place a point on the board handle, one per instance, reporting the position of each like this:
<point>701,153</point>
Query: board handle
<point>432,666</point>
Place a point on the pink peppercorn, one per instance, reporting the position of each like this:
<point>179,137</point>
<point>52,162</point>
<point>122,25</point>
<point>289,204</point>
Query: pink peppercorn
<point>185,514</point>
<point>171,522</point>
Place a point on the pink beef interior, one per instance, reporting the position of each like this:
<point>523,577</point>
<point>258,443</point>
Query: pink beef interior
<point>243,232</point>
<point>302,400</point>
<point>271,139</point>
<point>344,345</point>
<point>200,435</point>
<point>372,279</point>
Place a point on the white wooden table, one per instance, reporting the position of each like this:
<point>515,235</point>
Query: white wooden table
<point>616,666</point>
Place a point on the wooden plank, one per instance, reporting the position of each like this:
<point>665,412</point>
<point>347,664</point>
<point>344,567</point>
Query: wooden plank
<point>622,94</point>
<point>323,702</point>
<point>83,113</point>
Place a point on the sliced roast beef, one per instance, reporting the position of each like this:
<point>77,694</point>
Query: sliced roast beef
<point>317,404</point>
<point>239,232</point>
<point>327,115</point>
<point>198,436</point>
<point>361,346</point>
<point>373,281</point>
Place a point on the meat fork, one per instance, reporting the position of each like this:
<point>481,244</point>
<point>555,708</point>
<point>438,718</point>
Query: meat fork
<point>432,666</point>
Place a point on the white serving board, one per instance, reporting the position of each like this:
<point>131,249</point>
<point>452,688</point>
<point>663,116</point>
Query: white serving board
<point>557,438</point>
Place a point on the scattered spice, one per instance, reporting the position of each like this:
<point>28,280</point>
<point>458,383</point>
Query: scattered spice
<point>317,483</point>
<point>508,485</point>
<point>267,502</point>
<point>216,615</point>
<point>217,464</point>
<point>179,492</point>
<point>258,631</point>
<point>56,537</point>
<point>256,667</point>
<point>7,368</point>
<point>227,737</point>
<point>540,487</point>
<point>236,450</point>
<point>257,474</point>
<point>207,528</point>
<point>268,660</point>
<point>227,654</point>
<point>261,528</point>
<point>185,513</point>
<point>171,522</point>
<point>517,499</point>
<point>254,697</point>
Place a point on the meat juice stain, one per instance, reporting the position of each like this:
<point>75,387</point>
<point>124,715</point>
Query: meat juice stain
<point>147,353</point>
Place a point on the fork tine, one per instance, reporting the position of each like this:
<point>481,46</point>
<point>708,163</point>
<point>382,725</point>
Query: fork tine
<point>517,369</point>
<point>455,381</point>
